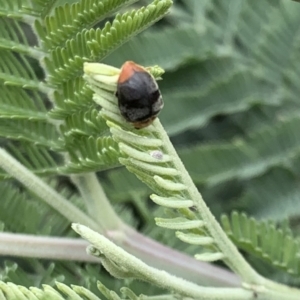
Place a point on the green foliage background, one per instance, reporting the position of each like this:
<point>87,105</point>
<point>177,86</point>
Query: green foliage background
<point>231,92</point>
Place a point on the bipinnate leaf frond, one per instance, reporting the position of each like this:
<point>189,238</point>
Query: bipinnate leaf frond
<point>39,159</point>
<point>217,89</point>
<point>85,123</point>
<point>65,63</point>
<point>208,58</point>
<point>12,36</point>
<point>17,71</point>
<point>74,18</point>
<point>16,103</point>
<point>158,45</point>
<point>9,291</point>
<point>17,203</point>
<point>275,194</point>
<point>265,240</point>
<point>74,97</point>
<point>39,8</point>
<point>35,131</point>
<point>13,9</point>
<point>90,154</point>
<point>83,129</point>
<point>88,142</point>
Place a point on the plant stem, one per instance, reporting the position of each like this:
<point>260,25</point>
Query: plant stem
<point>233,258</point>
<point>25,245</point>
<point>43,191</point>
<point>176,262</point>
<point>160,278</point>
<point>97,203</point>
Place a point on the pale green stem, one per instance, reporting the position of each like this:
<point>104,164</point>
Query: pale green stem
<point>233,258</point>
<point>43,190</point>
<point>156,255</point>
<point>121,262</point>
<point>175,262</point>
<point>25,245</point>
<point>162,279</point>
<point>97,203</point>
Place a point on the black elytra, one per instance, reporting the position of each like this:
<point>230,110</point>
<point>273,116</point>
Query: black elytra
<point>139,98</point>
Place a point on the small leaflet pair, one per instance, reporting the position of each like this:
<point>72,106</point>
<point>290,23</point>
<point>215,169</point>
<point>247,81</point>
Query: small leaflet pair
<point>139,98</point>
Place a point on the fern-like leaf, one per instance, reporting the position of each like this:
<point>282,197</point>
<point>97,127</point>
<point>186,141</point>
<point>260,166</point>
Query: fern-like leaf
<point>75,18</point>
<point>40,8</point>
<point>179,45</point>
<point>264,240</point>
<point>92,154</point>
<point>273,195</point>
<point>17,71</point>
<point>16,103</point>
<point>11,291</point>
<point>12,36</point>
<point>38,159</point>
<point>17,203</point>
<point>88,123</point>
<point>208,94</point>
<point>93,45</point>
<point>37,132</point>
<point>74,98</point>
<point>12,8</point>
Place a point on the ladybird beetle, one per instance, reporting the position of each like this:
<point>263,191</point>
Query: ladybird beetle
<point>139,98</point>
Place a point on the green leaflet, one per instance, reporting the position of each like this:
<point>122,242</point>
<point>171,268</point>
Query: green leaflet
<point>75,18</point>
<point>12,8</point>
<point>12,36</point>
<point>65,63</point>
<point>264,240</point>
<point>92,154</point>
<point>16,103</point>
<point>15,204</point>
<point>9,291</point>
<point>17,71</point>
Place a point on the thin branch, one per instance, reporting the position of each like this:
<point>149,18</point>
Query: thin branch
<point>25,245</point>
<point>96,201</point>
<point>133,266</point>
<point>176,262</point>
<point>43,191</point>
<point>156,255</point>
